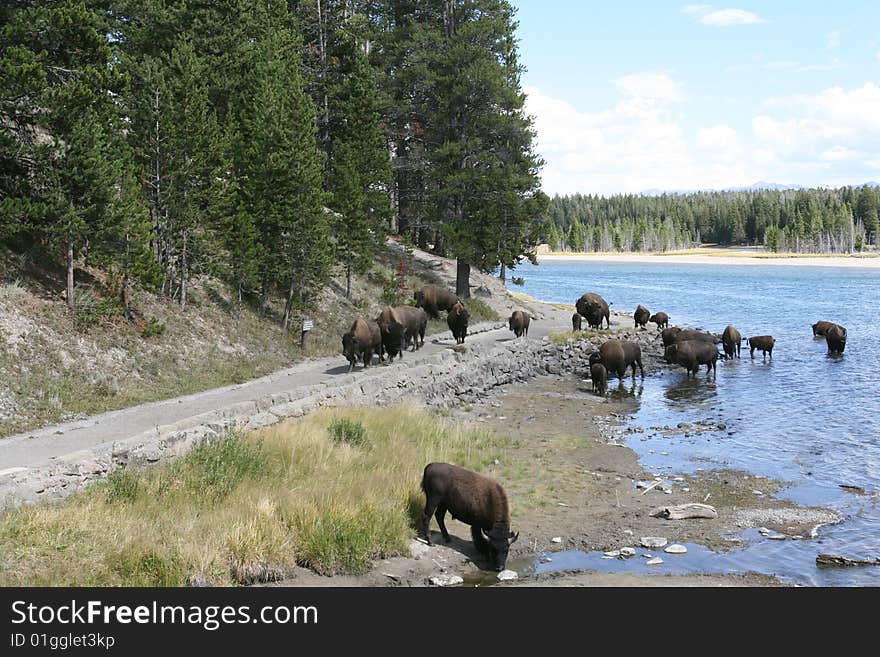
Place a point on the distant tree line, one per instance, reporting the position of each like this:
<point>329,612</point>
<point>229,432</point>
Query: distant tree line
<point>269,143</point>
<point>843,220</point>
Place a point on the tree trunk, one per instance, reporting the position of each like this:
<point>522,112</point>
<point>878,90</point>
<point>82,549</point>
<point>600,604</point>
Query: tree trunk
<point>288,307</point>
<point>183,273</point>
<point>348,280</point>
<point>70,302</point>
<point>502,274</point>
<point>463,279</point>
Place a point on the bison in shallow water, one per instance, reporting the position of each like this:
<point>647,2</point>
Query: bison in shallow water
<point>732,341</point>
<point>519,323</point>
<point>819,328</point>
<point>763,342</point>
<point>473,499</point>
<point>690,354</point>
<point>362,340</point>
<point>617,355</point>
<point>835,338</point>
<point>434,298</point>
<point>599,376</point>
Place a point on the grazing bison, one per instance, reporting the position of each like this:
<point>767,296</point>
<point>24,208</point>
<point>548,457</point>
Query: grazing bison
<point>576,322</point>
<point>594,309</point>
<point>434,298</point>
<point>617,355</point>
<point>819,328</point>
<point>732,341</point>
<point>473,499</point>
<point>764,343</point>
<point>457,320</point>
<point>641,316</point>
<point>660,319</point>
<point>599,375</point>
<point>835,337</point>
<point>691,354</point>
<point>361,342</point>
<point>519,323</point>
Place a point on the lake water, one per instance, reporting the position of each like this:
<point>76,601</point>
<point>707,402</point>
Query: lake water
<point>805,417</point>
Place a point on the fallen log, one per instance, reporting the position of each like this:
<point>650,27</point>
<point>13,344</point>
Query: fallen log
<point>837,560</point>
<point>685,511</point>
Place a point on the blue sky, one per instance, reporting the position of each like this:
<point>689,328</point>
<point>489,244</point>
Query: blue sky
<point>630,96</point>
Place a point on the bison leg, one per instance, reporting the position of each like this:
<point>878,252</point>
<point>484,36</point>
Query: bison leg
<point>431,504</point>
<point>440,515</point>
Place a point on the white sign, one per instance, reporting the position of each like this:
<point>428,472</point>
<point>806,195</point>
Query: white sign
<point>308,325</point>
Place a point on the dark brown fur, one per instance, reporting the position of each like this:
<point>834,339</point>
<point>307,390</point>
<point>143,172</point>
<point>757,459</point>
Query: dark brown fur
<point>617,355</point>
<point>835,338</point>
<point>457,320</point>
<point>763,342</point>
<point>361,342</point>
<point>819,328</point>
<point>415,322</point>
<point>594,309</point>
<point>434,298</point>
<point>599,375</point>
<point>693,353</point>
<point>732,341</point>
<point>473,499</point>
<point>674,334</point>
<point>576,322</point>
<point>641,316</point>
<point>519,323</point>
<point>660,319</point>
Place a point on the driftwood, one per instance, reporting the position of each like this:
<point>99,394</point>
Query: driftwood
<point>685,511</point>
<point>837,560</point>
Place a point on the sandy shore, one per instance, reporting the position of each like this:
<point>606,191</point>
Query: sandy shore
<point>702,259</point>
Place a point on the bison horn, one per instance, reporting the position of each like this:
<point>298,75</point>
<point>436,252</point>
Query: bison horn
<point>513,537</point>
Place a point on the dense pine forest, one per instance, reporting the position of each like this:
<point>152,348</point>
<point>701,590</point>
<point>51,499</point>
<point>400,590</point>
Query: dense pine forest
<point>271,144</point>
<point>843,220</point>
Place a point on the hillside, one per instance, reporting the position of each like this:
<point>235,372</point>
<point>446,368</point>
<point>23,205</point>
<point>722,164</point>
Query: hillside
<point>56,365</point>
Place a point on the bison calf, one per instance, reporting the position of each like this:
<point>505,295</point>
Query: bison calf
<point>599,375</point>
<point>764,343</point>
<point>660,319</point>
<point>576,322</point>
<point>473,499</point>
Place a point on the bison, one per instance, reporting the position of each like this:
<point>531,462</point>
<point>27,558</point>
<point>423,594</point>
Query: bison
<point>732,341</point>
<point>473,499</point>
<point>819,328</point>
<point>457,320</point>
<point>576,322</point>
<point>691,354</point>
<point>519,323</point>
<point>594,309</point>
<point>674,334</point>
<point>361,342</point>
<point>660,319</point>
<point>835,337</point>
<point>641,316</point>
<point>599,376</point>
<point>617,355</point>
<point>764,343</point>
<point>398,326</point>
<point>434,298</point>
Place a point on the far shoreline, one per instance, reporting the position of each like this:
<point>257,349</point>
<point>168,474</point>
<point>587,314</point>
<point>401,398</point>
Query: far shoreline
<point>865,262</point>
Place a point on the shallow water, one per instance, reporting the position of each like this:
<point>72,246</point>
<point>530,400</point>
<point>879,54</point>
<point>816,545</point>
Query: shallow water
<point>803,417</point>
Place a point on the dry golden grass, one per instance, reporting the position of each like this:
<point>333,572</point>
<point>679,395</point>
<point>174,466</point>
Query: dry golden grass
<point>247,509</point>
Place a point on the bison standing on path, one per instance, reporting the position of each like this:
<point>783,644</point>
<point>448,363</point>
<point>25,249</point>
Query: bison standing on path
<point>473,499</point>
<point>519,323</point>
<point>457,320</point>
<point>361,342</point>
<point>433,299</point>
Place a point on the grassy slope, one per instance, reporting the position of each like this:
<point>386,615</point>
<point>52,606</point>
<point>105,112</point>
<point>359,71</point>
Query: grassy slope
<point>331,492</point>
<point>55,366</point>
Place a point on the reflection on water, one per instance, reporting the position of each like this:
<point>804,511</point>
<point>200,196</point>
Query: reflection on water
<point>805,416</point>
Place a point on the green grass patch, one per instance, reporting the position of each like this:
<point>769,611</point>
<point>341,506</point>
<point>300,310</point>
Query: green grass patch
<point>564,337</point>
<point>246,509</point>
<point>480,311</point>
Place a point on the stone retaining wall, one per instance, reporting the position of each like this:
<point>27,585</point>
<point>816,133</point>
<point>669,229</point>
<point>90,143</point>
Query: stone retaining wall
<point>439,381</point>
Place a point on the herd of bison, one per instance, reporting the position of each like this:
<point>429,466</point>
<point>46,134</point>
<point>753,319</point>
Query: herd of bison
<point>480,501</point>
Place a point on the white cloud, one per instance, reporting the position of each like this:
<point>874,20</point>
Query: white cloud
<point>839,153</point>
<point>650,86</point>
<point>833,40</point>
<point>719,138</point>
<point>726,17</point>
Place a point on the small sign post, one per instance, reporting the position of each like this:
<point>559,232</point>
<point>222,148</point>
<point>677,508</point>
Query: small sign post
<point>307,326</point>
